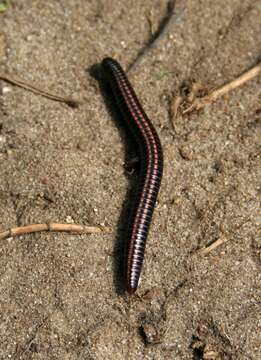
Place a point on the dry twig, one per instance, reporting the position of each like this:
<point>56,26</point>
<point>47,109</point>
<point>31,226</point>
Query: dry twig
<point>37,90</point>
<point>174,108</point>
<point>70,228</point>
<point>206,250</point>
<point>200,103</point>
<point>164,28</point>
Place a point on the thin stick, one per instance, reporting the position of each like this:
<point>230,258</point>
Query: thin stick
<point>163,30</point>
<point>214,245</point>
<point>174,107</point>
<point>36,90</point>
<point>199,103</point>
<point>70,228</point>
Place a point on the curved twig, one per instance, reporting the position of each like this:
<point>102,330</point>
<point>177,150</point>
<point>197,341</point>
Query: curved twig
<point>200,103</point>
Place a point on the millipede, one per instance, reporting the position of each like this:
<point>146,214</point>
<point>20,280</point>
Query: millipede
<point>151,168</point>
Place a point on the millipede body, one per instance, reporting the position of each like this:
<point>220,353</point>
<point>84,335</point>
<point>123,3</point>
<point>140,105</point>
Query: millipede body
<point>151,168</point>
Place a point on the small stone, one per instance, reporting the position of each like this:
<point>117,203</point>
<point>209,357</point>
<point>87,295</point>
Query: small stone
<point>69,219</point>
<point>6,89</point>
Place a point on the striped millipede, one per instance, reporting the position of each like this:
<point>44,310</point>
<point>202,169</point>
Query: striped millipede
<point>151,164</point>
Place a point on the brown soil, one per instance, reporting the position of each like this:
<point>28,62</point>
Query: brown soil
<point>58,298</point>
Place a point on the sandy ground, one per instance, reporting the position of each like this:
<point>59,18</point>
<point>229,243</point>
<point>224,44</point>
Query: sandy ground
<point>58,298</point>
